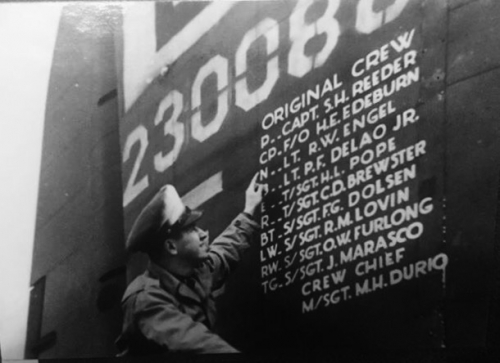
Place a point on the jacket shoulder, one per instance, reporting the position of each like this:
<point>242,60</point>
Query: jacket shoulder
<point>139,284</point>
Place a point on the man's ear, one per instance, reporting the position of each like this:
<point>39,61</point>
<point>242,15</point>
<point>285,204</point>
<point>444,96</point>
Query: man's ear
<point>171,247</point>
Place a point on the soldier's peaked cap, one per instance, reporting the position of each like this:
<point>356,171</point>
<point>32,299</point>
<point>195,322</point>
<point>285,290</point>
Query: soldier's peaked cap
<point>163,216</point>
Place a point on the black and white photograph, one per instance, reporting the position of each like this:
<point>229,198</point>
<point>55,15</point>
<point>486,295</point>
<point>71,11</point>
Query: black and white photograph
<point>275,180</point>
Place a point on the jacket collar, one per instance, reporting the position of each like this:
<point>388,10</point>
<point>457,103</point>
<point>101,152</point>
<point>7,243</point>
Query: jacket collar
<point>177,285</point>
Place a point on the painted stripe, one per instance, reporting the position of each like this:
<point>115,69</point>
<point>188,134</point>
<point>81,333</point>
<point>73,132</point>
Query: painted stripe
<point>190,34</point>
<point>141,63</point>
<point>204,191</point>
<point>139,47</point>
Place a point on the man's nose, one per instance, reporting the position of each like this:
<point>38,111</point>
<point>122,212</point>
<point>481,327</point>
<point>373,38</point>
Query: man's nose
<point>203,234</point>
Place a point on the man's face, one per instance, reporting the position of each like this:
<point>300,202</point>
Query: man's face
<point>192,245</point>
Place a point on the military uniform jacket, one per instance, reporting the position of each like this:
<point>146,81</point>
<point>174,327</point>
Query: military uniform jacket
<point>162,313</point>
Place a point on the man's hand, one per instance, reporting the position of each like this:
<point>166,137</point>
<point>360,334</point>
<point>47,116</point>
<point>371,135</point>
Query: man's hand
<point>254,194</point>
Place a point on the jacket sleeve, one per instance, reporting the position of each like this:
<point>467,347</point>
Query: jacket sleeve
<point>162,322</point>
<point>227,249</point>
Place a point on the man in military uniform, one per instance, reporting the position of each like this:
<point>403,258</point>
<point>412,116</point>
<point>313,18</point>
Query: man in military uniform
<point>171,308</point>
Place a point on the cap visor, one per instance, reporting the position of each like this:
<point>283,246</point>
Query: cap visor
<point>193,217</point>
